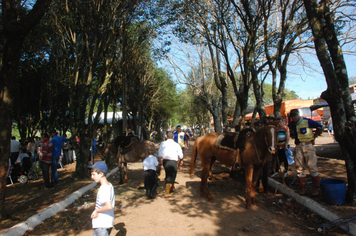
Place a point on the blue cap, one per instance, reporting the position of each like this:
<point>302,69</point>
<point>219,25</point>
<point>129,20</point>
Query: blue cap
<point>179,125</point>
<point>100,165</point>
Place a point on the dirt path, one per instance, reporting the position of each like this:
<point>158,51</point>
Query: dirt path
<point>186,213</point>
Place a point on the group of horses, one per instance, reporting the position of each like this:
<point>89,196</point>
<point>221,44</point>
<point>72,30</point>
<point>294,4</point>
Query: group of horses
<point>249,149</point>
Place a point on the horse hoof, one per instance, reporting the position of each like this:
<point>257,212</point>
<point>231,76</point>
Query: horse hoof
<point>211,199</point>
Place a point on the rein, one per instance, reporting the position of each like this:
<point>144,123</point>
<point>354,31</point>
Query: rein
<point>255,146</point>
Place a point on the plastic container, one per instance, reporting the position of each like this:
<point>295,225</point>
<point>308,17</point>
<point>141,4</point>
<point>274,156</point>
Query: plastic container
<point>333,191</point>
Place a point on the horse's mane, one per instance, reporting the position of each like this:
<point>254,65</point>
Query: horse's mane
<point>124,141</point>
<point>244,133</point>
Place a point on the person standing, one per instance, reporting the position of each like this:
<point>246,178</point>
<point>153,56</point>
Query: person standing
<point>181,138</point>
<point>150,165</point>
<point>283,141</point>
<point>66,158</point>
<point>170,151</point>
<point>14,149</point>
<point>103,215</point>
<point>46,158</point>
<point>330,126</point>
<point>305,156</point>
<point>57,142</point>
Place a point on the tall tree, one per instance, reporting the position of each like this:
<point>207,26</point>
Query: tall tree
<point>16,25</point>
<point>284,22</point>
<point>337,94</point>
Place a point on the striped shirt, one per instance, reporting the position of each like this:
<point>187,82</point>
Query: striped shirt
<point>282,137</point>
<point>46,152</point>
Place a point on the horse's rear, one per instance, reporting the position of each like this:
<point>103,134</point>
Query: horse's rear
<point>140,149</point>
<point>206,147</point>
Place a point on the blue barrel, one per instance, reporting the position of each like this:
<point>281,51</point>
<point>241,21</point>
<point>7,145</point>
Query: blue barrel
<point>334,191</point>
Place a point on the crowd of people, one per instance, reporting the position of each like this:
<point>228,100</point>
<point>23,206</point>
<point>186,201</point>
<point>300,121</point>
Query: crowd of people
<point>170,155</point>
<point>50,151</point>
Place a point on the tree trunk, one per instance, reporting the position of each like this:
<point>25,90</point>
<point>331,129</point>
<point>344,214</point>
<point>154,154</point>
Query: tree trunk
<point>337,94</point>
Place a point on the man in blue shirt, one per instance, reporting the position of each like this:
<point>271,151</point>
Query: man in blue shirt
<point>181,138</point>
<point>57,142</point>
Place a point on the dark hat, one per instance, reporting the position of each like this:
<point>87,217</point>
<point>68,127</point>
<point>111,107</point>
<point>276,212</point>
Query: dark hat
<point>294,112</point>
<point>53,131</point>
<point>100,165</point>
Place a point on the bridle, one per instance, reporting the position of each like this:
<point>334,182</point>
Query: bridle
<point>266,142</point>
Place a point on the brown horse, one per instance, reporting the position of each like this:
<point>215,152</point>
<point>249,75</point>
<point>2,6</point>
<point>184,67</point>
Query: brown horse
<point>254,149</point>
<point>139,151</point>
<point>130,149</point>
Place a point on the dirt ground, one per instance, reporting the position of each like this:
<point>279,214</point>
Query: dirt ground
<point>186,213</point>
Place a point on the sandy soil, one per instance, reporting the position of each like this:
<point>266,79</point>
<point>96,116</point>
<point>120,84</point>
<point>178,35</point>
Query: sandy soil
<point>186,213</point>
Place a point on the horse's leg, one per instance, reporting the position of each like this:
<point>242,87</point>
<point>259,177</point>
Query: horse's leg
<point>204,188</point>
<point>125,173</point>
<point>249,188</point>
<point>256,177</point>
<point>211,166</point>
<point>264,177</point>
<point>120,164</point>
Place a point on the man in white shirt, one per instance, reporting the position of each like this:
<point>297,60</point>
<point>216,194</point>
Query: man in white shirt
<point>170,152</point>
<point>15,149</point>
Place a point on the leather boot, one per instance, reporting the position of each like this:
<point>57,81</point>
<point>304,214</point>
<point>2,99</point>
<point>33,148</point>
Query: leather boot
<point>173,188</point>
<point>167,190</point>
<point>302,183</point>
<point>316,186</point>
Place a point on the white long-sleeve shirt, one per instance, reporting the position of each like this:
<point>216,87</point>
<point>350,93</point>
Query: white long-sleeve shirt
<point>170,150</point>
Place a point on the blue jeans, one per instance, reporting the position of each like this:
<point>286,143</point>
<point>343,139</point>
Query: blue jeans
<point>54,174</point>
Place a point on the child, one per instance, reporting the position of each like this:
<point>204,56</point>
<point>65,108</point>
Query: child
<point>103,215</point>
<point>150,164</point>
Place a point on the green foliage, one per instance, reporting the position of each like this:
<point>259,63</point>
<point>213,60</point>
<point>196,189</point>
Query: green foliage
<point>267,97</point>
<point>191,110</point>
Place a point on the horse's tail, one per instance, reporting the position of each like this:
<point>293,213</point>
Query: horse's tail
<point>194,156</point>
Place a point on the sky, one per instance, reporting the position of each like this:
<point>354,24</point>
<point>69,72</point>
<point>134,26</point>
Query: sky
<point>309,84</point>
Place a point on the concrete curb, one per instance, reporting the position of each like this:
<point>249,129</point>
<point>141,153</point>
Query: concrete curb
<point>311,204</point>
<point>52,210</point>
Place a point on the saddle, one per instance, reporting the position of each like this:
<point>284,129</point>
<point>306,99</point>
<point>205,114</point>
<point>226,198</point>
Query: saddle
<point>227,141</point>
<point>125,143</point>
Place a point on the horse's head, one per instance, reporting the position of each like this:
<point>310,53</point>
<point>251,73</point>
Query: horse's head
<point>270,138</point>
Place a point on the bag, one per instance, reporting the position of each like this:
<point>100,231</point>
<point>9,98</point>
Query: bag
<point>38,168</point>
<point>289,155</point>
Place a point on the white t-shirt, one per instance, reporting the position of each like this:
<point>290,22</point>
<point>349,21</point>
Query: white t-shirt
<point>21,156</point>
<point>105,219</point>
<point>150,163</point>
<point>15,146</point>
<point>170,150</point>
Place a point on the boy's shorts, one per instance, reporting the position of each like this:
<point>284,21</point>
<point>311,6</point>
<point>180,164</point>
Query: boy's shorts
<point>102,231</point>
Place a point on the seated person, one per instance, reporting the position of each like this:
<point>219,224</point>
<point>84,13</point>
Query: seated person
<point>23,162</point>
<point>22,155</point>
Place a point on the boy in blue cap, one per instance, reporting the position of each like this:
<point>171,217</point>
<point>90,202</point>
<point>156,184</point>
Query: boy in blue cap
<point>103,215</point>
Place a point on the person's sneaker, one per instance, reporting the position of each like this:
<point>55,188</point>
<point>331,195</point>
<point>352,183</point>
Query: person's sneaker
<point>274,174</point>
<point>286,174</point>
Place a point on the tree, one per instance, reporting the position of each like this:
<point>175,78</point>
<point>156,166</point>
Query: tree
<point>283,24</point>
<point>16,25</point>
<point>337,94</point>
